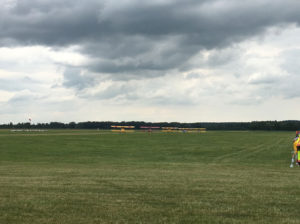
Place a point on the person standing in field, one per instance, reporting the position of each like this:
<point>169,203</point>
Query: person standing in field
<point>296,146</point>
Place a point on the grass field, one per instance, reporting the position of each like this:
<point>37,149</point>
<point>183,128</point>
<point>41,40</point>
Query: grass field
<point>71,177</point>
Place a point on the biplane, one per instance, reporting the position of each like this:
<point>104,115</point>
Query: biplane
<point>170,129</point>
<point>118,128</point>
<point>150,129</point>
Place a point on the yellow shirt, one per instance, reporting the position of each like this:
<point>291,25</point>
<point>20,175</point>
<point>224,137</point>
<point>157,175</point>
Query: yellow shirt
<point>296,143</point>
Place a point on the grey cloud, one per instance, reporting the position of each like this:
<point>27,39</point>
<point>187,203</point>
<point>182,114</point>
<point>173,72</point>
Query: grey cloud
<point>266,80</point>
<point>214,59</point>
<point>21,102</point>
<point>223,57</point>
<point>291,64</point>
<point>193,76</point>
<point>201,23</point>
<point>142,92</point>
<point>117,92</point>
<point>289,88</point>
<point>50,23</point>
<point>289,85</point>
<point>23,99</point>
<point>73,77</point>
<point>24,83</point>
<point>140,38</point>
<point>29,103</point>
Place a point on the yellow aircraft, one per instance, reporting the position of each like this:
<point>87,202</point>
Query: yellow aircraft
<point>170,129</point>
<point>122,128</point>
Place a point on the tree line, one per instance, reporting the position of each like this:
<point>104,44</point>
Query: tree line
<point>289,125</point>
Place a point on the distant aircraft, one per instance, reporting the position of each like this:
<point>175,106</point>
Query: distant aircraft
<point>122,128</point>
<point>149,128</point>
<point>201,130</point>
<point>170,129</point>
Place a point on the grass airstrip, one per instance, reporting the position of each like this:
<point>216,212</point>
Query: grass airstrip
<point>84,176</point>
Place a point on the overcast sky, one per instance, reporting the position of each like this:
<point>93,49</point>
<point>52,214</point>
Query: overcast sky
<point>158,60</point>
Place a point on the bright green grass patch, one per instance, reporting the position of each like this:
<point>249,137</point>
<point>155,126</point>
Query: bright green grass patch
<point>103,177</point>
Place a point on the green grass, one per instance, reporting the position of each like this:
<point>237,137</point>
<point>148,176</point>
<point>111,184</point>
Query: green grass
<point>103,177</point>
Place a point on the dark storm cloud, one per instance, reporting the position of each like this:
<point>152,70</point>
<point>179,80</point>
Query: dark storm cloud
<point>50,23</point>
<point>200,23</point>
<point>140,38</point>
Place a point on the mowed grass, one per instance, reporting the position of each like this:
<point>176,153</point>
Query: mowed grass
<point>103,177</point>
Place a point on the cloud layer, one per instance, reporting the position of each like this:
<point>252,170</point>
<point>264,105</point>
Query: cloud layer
<point>133,36</point>
<point>156,53</point>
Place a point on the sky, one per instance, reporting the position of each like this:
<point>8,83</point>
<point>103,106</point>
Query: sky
<point>159,60</point>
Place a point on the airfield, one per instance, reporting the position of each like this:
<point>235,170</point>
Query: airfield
<point>96,176</point>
